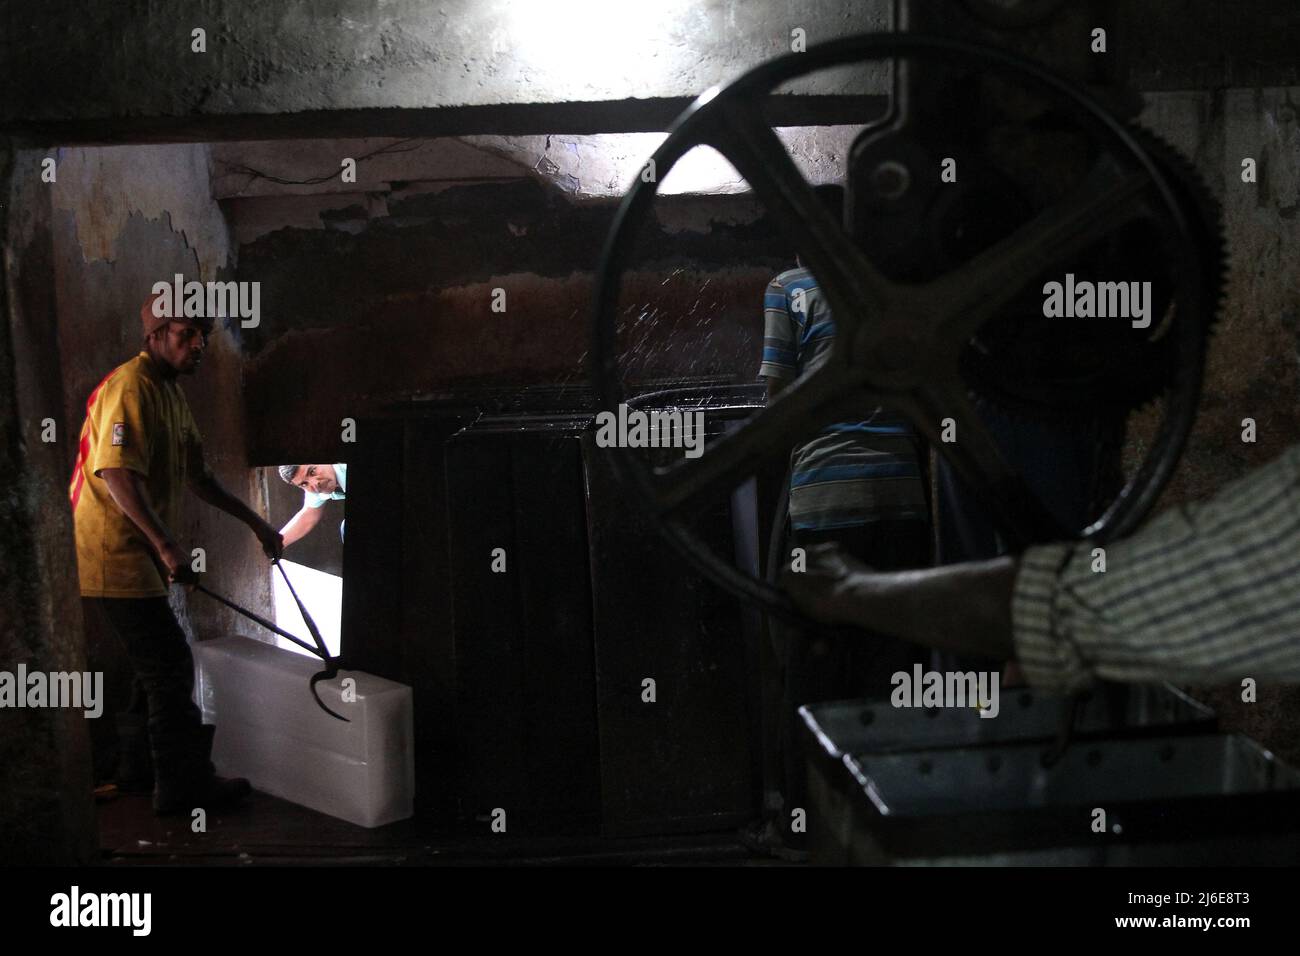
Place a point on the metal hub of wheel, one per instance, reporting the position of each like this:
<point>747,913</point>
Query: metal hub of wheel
<point>924,347</point>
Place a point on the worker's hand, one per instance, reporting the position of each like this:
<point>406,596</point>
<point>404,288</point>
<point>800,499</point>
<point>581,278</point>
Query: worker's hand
<point>831,587</point>
<point>272,543</point>
<point>177,562</point>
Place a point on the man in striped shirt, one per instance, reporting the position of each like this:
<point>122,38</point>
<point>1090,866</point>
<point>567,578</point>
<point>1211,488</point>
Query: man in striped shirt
<point>856,484</point>
<point>853,474</point>
<point>1205,593</point>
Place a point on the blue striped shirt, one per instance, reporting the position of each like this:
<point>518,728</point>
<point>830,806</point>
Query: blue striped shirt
<point>851,473</point>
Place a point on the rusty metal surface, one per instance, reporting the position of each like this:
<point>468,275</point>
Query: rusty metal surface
<point>525,682</point>
<point>687,761</point>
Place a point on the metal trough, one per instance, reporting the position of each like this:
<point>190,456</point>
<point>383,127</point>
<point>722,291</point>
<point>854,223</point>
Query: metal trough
<point>859,726</point>
<point>1168,800</point>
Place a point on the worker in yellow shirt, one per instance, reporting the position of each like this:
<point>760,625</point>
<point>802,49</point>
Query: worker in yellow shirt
<point>139,448</point>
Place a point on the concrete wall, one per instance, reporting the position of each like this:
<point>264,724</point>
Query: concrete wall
<point>128,70</point>
<point>1252,369</point>
<point>1254,362</point>
<point>46,807</point>
<point>134,62</point>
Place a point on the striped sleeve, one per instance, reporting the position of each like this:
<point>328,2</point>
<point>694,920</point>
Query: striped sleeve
<point>780,342</point>
<point>1206,593</point>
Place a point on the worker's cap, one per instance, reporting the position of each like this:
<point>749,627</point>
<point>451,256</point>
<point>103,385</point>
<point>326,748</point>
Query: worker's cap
<point>152,322</point>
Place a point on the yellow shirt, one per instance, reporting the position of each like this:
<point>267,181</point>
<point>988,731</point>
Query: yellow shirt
<point>135,419</point>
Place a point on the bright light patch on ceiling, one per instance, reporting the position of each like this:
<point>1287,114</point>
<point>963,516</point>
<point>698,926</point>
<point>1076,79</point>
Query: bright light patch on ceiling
<point>703,170</point>
<point>609,164</point>
<point>587,47</point>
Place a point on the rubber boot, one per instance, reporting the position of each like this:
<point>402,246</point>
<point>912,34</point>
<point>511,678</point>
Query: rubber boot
<point>194,783</point>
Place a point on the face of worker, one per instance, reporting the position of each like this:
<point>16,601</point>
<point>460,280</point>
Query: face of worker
<point>319,479</point>
<point>180,346</point>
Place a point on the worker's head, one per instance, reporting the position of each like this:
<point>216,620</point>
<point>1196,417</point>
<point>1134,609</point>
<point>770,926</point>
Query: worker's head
<point>175,342</point>
<point>319,479</point>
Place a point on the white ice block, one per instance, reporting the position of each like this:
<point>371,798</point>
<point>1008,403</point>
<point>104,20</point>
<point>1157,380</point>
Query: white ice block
<point>270,730</point>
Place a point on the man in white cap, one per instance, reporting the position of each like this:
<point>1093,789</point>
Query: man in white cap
<point>319,483</point>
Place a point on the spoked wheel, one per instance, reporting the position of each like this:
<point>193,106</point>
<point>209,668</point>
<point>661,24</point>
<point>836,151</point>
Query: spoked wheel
<point>905,345</point>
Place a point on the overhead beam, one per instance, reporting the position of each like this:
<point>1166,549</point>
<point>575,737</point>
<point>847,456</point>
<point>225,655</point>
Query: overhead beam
<point>515,119</point>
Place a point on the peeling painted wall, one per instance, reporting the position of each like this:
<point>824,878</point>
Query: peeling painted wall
<point>103,188</point>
